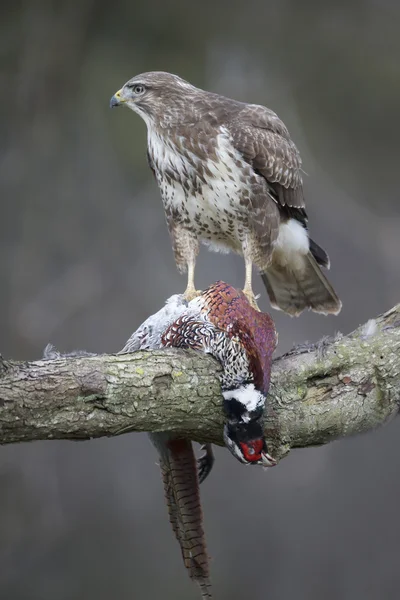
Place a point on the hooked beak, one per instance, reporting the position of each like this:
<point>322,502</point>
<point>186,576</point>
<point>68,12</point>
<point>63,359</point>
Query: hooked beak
<point>117,99</point>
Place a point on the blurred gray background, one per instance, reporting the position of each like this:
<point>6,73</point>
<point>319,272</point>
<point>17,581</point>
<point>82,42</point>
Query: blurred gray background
<point>85,257</point>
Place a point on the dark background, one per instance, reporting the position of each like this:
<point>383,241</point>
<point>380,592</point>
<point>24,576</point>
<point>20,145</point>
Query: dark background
<point>85,257</point>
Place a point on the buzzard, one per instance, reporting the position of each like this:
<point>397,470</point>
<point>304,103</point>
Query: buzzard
<point>230,177</point>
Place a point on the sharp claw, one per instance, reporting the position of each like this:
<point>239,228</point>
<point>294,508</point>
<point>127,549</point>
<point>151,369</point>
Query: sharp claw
<point>205,462</point>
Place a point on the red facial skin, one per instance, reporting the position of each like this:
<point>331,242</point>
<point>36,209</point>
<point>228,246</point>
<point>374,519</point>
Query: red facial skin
<point>252,450</point>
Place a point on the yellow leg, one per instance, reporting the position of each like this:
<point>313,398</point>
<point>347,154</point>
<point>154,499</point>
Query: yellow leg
<point>191,291</point>
<point>248,289</point>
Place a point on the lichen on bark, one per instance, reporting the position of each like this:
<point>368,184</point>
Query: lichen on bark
<point>318,393</point>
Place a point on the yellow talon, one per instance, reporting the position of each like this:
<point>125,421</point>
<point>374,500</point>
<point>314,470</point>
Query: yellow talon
<point>251,299</point>
<point>191,293</point>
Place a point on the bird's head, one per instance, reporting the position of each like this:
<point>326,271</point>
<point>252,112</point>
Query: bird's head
<point>247,444</point>
<point>156,96</point>
<point>243,431</point>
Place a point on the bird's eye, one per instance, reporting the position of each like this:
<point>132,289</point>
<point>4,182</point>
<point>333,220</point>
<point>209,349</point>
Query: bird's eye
<point>252,450</point>
<point>138,90</point>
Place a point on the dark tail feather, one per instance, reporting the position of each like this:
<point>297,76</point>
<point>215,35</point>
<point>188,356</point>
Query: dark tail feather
<point>181,485</point>
<point>305,286</point>
<point>320,255</point>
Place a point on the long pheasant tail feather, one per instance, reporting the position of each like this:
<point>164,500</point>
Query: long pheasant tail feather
<point>181,485</point>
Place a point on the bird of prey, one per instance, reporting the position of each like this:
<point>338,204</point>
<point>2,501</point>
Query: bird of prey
<point>230,177</point>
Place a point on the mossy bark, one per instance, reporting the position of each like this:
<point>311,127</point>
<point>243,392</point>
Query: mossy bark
<point>318,393</point>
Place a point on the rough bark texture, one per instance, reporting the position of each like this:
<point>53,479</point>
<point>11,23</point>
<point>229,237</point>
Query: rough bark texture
<point>338,387</point>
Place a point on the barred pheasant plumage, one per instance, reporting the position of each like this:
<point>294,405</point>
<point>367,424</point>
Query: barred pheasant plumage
<point>220,322</point>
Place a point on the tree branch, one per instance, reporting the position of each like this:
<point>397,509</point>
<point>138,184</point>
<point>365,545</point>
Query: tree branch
<point>318,393</point>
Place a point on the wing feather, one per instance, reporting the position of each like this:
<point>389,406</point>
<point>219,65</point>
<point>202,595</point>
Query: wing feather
<point>264,142</point>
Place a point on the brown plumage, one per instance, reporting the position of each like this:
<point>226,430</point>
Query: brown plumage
<point>181,487</point>
<point>230,177</point>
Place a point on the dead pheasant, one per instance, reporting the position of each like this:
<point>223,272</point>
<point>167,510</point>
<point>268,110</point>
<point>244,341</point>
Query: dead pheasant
<point>222,323</point>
